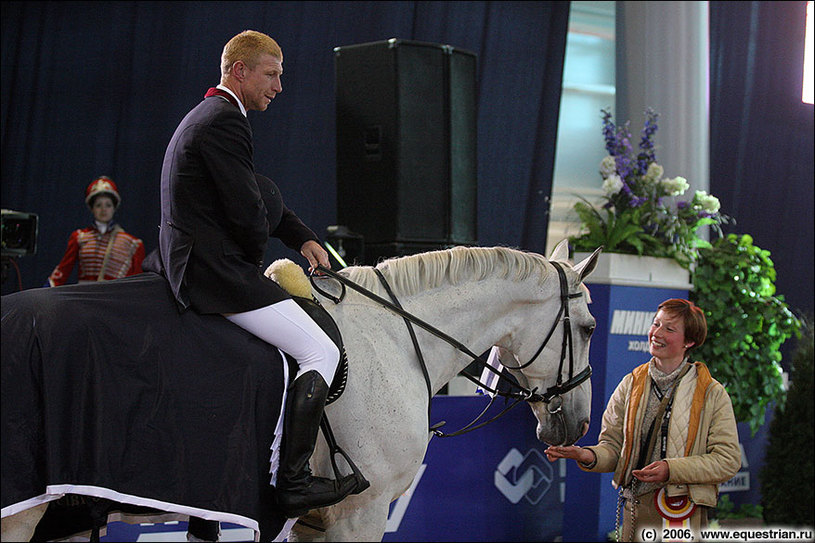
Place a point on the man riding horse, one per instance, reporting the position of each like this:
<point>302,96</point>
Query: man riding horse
<point>216,219</point>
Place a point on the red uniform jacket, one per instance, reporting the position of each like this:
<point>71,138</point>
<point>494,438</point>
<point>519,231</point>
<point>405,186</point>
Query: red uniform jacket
<point>90,247</point>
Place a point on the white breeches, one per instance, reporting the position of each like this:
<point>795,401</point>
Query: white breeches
<point>286,326</point>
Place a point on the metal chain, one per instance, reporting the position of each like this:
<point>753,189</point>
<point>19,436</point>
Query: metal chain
<point>633,518</point>
<point>617,526</point>
<point>617,519</point>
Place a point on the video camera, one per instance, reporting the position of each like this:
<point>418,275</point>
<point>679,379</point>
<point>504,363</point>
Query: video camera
<point>19,233</point>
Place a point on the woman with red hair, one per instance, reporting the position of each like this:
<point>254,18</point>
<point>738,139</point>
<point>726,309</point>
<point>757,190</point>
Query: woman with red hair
<point>668,433</point>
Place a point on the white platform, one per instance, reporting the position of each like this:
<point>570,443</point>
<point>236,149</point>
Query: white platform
<point>638,271</point>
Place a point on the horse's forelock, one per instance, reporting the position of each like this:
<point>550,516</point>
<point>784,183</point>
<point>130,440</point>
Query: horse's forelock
<point>415,273</point>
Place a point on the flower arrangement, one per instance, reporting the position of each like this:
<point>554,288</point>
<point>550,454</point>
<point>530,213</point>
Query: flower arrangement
<point>640,214</point>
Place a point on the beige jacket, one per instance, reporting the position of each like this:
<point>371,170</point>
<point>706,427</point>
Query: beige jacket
<point>703,443</point>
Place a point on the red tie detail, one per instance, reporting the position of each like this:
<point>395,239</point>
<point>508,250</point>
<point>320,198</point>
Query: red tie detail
<point>214,91</point>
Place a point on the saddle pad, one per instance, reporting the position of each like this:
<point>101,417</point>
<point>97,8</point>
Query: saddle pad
<point>108,391</point>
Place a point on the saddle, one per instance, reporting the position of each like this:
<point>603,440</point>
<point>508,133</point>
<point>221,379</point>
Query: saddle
<point>325,321</point>
<point>293,279</point>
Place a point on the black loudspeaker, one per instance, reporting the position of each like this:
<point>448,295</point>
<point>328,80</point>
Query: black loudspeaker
<point>406,145</point>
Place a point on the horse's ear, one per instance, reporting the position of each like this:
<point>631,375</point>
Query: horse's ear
<point>586,266</point>
<point>561,251</point>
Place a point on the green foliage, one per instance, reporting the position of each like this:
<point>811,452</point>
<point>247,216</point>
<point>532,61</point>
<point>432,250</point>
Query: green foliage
<point>787,475</point>
<point>734,282</point>
<point>616,234</point>
<point>727,509</point>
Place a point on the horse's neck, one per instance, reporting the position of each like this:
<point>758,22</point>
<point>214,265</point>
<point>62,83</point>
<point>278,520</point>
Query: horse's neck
<point>478,315</point>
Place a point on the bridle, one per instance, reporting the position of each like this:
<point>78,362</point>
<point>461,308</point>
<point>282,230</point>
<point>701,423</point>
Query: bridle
<point>560,387</point>
<point>551,396</point>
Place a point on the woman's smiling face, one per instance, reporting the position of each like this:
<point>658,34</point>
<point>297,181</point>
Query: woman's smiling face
<point>666,337</point>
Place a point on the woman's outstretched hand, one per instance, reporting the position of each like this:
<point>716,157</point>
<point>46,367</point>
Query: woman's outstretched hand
<point>586,456</point>
<point>656,472</point>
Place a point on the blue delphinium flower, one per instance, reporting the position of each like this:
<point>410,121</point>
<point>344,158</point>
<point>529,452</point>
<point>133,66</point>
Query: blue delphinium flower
<point>647,153</point>
<point>638,215</point>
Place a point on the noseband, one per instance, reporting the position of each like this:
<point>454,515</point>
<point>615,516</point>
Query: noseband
<point>552,395</point>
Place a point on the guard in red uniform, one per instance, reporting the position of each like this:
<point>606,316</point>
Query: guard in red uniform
<point>104,250</point>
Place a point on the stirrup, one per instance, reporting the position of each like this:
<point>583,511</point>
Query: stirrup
<point>361,482</point>
<point>319,493</point>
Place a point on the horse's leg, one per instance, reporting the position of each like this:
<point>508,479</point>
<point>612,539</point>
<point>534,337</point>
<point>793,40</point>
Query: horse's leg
<point>364,523</point>
<point>199,529</point>
<point>21,526</point>
<point>304,530</point>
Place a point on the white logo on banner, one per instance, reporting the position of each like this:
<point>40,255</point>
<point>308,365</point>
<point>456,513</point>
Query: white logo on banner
<point>531,483</point>
<point>741,480</point>
<point>639,346</point>
<point>401,505</point>
<point>632,323</point>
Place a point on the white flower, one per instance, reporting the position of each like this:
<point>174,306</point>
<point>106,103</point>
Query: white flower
<point>608,166</point>
<point>675,186</point>
<point>612,185</point>
<point>708,202</point>
<point>654,171</point>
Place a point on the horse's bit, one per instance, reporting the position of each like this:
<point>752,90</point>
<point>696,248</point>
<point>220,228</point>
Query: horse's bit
<point>552,396</point>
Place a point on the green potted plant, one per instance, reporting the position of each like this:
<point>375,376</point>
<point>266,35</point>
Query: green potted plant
<point>734,283</point>
<point>726,514</point>
<point>640,213</point>
<point>642,217</point>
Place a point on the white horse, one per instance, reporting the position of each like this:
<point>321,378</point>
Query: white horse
<point>482,297</point>
<point>533,309</point>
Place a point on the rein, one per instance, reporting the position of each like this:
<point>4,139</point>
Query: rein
<point>524,394</point>
<point>415,341</point>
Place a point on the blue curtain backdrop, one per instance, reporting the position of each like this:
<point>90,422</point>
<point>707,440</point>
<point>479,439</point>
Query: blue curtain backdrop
<point>92,88</point>
<point>761,133</point>
<point>98,88</point>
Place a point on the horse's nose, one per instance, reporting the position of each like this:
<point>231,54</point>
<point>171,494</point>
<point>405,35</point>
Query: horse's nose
<point>585,428</point>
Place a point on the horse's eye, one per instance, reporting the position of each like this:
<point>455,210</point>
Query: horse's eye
<point>588,330</point>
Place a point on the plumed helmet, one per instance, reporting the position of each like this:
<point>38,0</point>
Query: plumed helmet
<point>102,185</point>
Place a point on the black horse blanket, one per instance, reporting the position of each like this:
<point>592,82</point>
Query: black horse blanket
<point>108,391</point>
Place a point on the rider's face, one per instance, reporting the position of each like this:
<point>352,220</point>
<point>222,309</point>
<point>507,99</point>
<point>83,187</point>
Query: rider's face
<point>262,83</point>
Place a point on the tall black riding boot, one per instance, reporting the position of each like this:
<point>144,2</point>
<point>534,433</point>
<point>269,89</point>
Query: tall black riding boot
<point>297,491</point>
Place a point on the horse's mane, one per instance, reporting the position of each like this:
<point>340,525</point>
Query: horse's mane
<point>415,273</point>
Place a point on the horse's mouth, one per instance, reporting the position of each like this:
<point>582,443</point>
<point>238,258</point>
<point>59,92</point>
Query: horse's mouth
<point>557,434</point>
